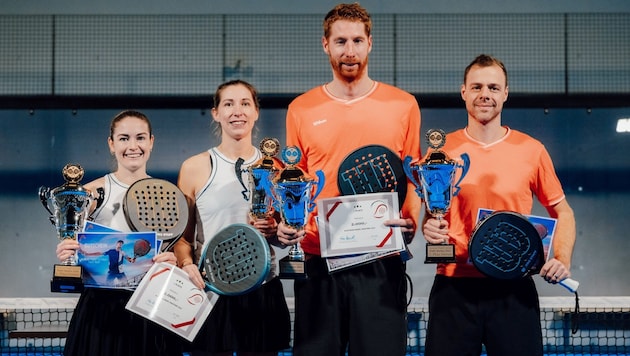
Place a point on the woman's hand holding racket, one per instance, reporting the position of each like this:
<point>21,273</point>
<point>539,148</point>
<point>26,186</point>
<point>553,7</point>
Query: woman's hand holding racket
<point>195,275</point>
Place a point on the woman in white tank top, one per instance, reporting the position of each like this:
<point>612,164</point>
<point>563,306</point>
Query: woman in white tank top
<point>257,322</point>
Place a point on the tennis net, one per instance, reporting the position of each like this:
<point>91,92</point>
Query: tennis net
<point>31,326</point>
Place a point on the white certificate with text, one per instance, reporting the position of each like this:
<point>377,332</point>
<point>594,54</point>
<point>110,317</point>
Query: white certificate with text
<point>354,224</point>
<point>167,297</point>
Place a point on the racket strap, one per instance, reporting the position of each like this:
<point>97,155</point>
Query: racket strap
<point>575,316</point>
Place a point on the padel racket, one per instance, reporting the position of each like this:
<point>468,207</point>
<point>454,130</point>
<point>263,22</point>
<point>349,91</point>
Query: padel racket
<point>506,245</point>
<point>372,169</point>
<point>153,204</point>
<point>236,260</point>
<point>141,248</point>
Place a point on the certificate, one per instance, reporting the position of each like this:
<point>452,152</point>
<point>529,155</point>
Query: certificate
<point>354,224</point>
<point>167,297</point>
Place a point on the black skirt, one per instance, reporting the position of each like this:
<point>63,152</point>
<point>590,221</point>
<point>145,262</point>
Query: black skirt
<point>258,321</point>
<point>101,326</point>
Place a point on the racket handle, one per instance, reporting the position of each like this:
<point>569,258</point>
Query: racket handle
<point>570,284</point>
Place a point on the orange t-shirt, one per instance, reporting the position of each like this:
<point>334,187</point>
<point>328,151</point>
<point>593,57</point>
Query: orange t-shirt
<point>327,129</point>
<point>503,175</point>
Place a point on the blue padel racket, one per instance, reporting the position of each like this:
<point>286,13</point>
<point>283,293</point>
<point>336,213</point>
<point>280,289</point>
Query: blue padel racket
<point>372,169</point>
<point>153,204</point>
<point>236,260</point>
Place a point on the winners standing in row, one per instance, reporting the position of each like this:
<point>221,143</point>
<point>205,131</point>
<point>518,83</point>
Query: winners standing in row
<point>360,310</point>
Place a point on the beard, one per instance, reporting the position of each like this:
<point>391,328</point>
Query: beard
<point>357,71</point>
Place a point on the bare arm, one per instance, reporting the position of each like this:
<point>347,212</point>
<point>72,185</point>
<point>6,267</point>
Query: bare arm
<point>563,242</point>
<point>192,175</point>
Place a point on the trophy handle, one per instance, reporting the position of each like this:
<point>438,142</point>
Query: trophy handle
<point>43,197</point>
<point>409,172</point>
<point>100,197</point>
<point>239,174</point>
<point>464,167</point>
<point>320,186</point>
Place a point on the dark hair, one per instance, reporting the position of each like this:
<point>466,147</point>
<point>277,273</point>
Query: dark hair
<point>349,12</point>
<point>484,60</point>
<point>251,88</point>
<point>125,114</point>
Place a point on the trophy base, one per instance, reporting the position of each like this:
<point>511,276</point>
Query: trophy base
<point>67,279</point>
<point>292,269</point>
<point>440,253</point>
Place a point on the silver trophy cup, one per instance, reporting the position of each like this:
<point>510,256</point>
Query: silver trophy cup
<point>435,181</point>
<point>294,195</point>
<point>69,207</point>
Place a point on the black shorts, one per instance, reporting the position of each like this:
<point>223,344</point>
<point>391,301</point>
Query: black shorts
<point>465,313</point>
<point>362,309</point>
<point>258,321</point>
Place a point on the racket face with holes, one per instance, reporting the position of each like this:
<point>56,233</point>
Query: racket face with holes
<point>236,260</point>
<point>372,169</point>
<point>506,245</point>
<point>153,204</point>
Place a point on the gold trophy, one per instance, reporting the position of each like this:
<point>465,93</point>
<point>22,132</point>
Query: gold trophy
<point>261,174</point>
<point>434,179</point>
<point>69,207</point>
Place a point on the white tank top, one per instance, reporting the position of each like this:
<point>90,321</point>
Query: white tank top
<point>111,213</point>
<point>221,202</point>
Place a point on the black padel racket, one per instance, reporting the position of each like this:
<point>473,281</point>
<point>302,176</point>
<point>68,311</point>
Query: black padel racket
<point>236,260</point>
<point>505,245</point>
<point>153,204</point>
<point>372,169</point>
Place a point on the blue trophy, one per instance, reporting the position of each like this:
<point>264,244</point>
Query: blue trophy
<point>294,194</point>
<point>434,179</point>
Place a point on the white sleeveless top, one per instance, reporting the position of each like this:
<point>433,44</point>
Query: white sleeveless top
<point>111,213</point>
<point>221,202</point>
